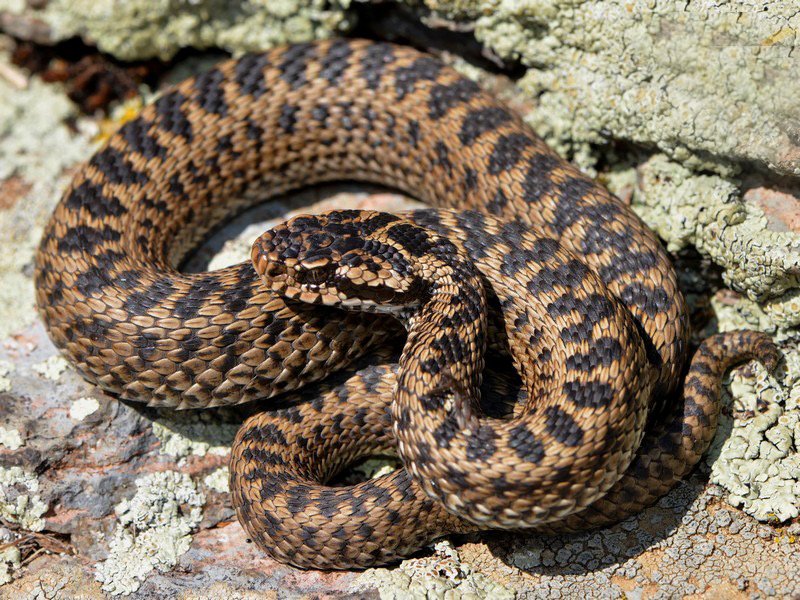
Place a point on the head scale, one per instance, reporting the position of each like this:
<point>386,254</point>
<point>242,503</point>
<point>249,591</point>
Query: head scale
<point>341,258</point>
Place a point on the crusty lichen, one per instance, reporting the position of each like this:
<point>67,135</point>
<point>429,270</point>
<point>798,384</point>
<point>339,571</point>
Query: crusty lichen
<point>10,438</point>
<point>706,211</point>
<point>756,454</point>
<point>193,434</point>
<point>153,531</point>
<point>621,69</point>
<point>441,575</point>
<point>19,499</point>
<point>33,121</point>
<point>52,367</point>
<point>158,28</point>
<point>6,368</point>
<point>10,561</point>
<point>82,408</point>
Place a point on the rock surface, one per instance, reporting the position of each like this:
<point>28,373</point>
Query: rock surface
<point>100,498</point>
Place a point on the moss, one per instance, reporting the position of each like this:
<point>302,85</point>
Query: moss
<point>153,530</point>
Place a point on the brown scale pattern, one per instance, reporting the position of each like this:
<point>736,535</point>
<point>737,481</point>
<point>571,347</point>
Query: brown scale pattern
<point>580,280</point>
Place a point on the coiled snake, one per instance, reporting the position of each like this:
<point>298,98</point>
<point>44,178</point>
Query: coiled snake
<point>590,310</point>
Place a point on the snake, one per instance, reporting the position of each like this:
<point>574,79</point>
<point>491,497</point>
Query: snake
<point>521,253</point>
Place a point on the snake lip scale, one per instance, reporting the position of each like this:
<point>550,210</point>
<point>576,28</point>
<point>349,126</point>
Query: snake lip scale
<point>522,260</point>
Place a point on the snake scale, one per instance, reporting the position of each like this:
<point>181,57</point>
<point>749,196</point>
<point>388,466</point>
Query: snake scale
<point>522,253</point>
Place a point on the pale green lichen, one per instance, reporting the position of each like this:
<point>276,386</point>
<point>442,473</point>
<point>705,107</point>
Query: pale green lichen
<point>706,211</point>
<point>441,575</point>
<point>10,561</point>
<point>193,434</point>
<point>218,479</point>
<point>33,121</point>
<point>19,499</point>
<point>153,531</point>
<point>52,367</point>
<point>10,438</point>
<point>6,368</point>
<point>82,408</point>
<point>159,28</point>
<point>620,69</point>
<point>756,454</point>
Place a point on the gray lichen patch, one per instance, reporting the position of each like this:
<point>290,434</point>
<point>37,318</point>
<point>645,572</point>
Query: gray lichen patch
<point>10,561</point>
<point>756,454</point>
<point>706,211</point>
<point>153,530</point>
<point>441,575</point>
<point>620,69</point>
<point>33,121</point>
<point>193,434</point>
<point>19,499</point>
<point>146,28</point>
<point>10,438</point>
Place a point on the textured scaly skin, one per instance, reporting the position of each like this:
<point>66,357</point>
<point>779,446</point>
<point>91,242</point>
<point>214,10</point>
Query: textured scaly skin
<point>110,294</point>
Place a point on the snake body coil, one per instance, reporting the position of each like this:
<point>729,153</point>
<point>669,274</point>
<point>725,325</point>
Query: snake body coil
<point>593,317</point>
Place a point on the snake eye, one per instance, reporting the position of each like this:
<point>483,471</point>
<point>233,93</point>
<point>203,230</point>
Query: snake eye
<point>315,276</point>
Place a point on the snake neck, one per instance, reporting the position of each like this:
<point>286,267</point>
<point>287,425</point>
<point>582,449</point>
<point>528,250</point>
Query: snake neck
<point>442,361</point>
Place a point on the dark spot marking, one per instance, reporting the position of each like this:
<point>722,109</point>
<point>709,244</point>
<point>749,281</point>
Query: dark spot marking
<point>563,427</point>
<point>480,121</point>
<point>507,152</point>
<point>294,64</point>
<point>90,197</point>
<point>525,445</point>
<point>481,443</point>
<point>443,97</point>
<point>171,117</point>
<point>424,68</point>
<point>589,394</point>
<point>116,168</point>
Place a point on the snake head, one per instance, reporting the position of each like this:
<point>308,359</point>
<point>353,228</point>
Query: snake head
<point>344,258</point>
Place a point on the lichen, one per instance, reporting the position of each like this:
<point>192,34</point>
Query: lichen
<point>153,530</point>
<point>441,575</point>
<point>706,211</point>
<point>52,367</point>
<point>218,479</point>
<point>33,121</point>
<point>756,454</point>
<point>82,408</point>
<point>193,434</point>
<point>159,28</point>
<point>619,69</point>
<point>19,499</point>
<point>6,368</point>
<point>10,561</point>
<point>10,438</point>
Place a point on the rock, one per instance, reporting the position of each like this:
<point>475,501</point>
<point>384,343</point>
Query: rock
<point>131,500</point>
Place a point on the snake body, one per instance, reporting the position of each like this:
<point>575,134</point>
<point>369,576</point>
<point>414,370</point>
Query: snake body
<point>594,319</point>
